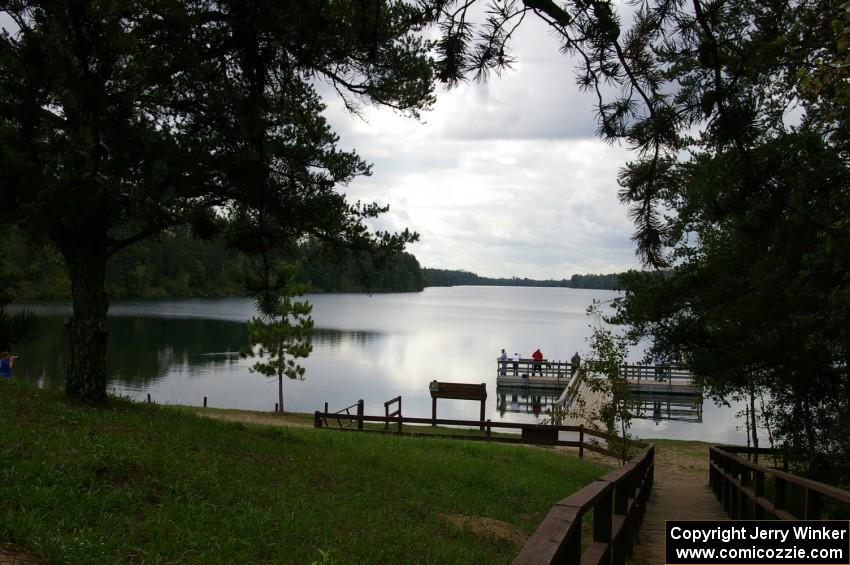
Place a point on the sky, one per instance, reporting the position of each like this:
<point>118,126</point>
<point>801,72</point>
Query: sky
<point>504,178</point>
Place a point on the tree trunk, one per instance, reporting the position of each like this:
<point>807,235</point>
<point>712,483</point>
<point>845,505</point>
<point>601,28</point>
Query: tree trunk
<point>86,378</point>
<point>753,421</point>
<point>280,374</point>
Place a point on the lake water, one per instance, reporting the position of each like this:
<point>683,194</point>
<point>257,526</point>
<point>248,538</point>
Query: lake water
<point>371,347</point>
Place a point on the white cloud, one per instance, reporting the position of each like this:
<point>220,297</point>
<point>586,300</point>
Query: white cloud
<point>504,178</point>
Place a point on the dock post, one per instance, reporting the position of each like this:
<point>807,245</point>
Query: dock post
<point>360,413</point>
<point>581,441</point>
<point>205,402</point>
<point>275,407</point>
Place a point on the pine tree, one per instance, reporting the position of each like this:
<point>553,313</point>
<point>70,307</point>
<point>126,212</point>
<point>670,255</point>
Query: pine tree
<point>281,333</point>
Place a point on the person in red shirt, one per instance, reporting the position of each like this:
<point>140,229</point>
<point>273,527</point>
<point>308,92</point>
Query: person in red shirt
<point>537,357</point>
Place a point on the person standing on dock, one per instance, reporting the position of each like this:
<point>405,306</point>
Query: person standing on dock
<point>575,363</point>
<point>537,356</point>
<point>515,359</point>
<point>503,363</point>
<point>659,369</point>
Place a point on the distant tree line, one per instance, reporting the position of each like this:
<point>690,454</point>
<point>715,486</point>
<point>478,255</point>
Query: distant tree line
<point>447,277</point>
<point>177,265</point>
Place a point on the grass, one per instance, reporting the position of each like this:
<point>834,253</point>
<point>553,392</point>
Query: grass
<point>146,483</point>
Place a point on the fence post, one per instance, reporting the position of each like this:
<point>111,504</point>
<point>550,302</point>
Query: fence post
<point>812,511</point>
<point>276,406</point>
<point>778,494</point>
<point>205,402</point>
<point>759,490</point>
<point>489,431</point>
<point>581,441</point>
<point>744,501</point>
<point>481,419</point>
<point>360,413</point>
<point>386,416</point>
<point>317,420</point>
<point>149,398</point>
<point>602,521</point>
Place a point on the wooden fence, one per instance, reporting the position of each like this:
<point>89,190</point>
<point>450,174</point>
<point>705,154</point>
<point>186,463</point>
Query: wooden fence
<point>618,501</point>
<point>529,433</point>
<point>345,415</point>
<point>396,413</point>
<point>748,490</point>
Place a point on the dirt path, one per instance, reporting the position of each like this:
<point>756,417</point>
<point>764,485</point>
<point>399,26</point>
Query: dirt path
<point>249,417</point>
<point>680,492</point>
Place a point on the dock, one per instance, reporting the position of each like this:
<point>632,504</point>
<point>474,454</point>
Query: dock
<point>524,374</point>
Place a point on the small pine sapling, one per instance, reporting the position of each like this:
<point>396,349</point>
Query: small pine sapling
<point>281,333</point>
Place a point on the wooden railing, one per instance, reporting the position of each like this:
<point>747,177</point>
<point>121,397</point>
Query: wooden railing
<point>554,369</point>
<point>618,501</point>
<point>396,412</point>
<point>530,433</point>
<point>748,490</point>
<point>563,369</point>
<point>564,401</point>
<point>348,417</point>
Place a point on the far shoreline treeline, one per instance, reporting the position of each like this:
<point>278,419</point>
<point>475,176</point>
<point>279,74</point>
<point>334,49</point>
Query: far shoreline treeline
<point>449,277</point>
<point>177,265</point>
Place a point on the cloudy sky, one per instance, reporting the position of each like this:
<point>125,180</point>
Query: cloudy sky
<point>504,178</point>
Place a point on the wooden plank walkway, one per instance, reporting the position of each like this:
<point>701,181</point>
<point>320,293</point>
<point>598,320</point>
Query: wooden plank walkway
<point>680,492</point>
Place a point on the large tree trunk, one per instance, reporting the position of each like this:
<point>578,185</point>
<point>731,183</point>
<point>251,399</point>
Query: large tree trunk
<point>86,379</point>
<point>753,422</point>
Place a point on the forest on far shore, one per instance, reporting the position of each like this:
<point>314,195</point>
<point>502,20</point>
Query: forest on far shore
<point>177,265</point>
<point>448,277</point>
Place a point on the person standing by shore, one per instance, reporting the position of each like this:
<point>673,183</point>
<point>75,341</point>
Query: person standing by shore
<point>6,363</point>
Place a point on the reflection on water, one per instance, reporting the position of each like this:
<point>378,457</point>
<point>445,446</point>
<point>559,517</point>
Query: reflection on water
<point>143,350</point>
<point>657,407</point>
<point>335,338</point>
<point>522,401</point>
<point>370,347</point>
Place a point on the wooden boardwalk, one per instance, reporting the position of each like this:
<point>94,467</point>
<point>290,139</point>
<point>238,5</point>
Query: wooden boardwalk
<point>680,492</point>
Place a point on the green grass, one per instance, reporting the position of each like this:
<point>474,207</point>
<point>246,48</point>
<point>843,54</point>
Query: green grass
<point>145,483</point>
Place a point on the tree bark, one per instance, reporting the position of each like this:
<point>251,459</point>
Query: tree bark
<point>86,378</point>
